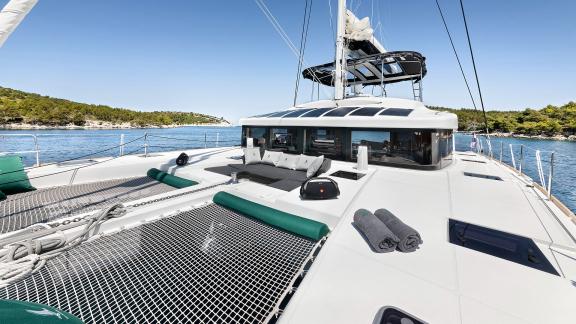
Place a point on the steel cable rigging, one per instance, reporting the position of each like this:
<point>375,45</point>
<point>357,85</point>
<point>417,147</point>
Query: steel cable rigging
<point>303,41</point>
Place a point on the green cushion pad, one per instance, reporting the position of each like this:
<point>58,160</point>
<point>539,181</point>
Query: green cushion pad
<point>2,196</point>
<point>291,223</point>
<point>16,311</point>
<point>13,178</point>
<point>170,180</point>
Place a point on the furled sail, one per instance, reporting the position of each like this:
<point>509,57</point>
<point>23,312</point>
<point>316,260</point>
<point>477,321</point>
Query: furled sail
<point>11,16</point>
<point>360,36</point>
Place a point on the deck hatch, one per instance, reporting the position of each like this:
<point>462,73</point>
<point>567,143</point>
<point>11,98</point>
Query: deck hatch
<point>482,176</point>
<point>475,161</point>
<point>503,245</point>
<point>207,265</point>
<point>396,112</point>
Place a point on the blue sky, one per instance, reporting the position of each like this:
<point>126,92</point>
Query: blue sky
<point>224,58</point>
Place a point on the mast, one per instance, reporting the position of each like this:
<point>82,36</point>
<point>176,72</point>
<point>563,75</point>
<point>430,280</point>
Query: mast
<point>11,16</point>
<point>340,62</point>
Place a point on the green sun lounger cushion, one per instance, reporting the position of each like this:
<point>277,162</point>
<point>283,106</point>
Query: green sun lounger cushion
<point>291,223</point>
<point>13,178</point>
<point>2,196</point>
<point>17,311</point>
<point>170,180</point>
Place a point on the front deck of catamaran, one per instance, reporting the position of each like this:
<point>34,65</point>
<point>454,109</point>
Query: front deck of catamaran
<point>177,256</point>
<point>228,235</point>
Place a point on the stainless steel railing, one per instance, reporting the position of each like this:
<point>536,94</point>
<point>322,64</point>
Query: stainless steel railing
<point>144,143</point>
<point>518,155</point>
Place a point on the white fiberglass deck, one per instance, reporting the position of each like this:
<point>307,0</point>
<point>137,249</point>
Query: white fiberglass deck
<point>440,282</point>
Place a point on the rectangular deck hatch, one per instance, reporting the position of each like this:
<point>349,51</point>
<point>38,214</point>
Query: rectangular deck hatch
<point>475,161</point>
<point>482,176</point>
<point>503,245</point>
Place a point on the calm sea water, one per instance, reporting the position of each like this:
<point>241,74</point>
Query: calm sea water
<point>59,145</point>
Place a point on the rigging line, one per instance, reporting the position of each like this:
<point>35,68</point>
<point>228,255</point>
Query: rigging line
<point>475,70</point>
<point>262,6</point>
<point>331,18</point>
<point>303,39</point>
<point>378,27</point>
<point>456,54</point>
<point>276,25</point>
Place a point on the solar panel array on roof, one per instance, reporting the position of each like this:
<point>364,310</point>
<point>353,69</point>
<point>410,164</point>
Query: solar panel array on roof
<point>297,113</point>
<point>340,112</point>
<point>317,112</point>
<point>396,112</point>
<point>337,112</point>
<point>366,111</point>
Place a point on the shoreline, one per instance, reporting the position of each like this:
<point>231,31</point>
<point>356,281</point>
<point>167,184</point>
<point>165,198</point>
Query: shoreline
<point>557,137</point>
<point>103,126</point>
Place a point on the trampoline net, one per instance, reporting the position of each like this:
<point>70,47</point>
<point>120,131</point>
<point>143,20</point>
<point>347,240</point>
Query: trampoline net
<point>207,265</point>
<point>44,205</point>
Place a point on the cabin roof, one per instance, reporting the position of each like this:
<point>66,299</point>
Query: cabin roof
<point>358,112</point>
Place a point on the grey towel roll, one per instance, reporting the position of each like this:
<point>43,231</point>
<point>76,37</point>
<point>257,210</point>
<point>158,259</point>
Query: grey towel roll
<point>409,238</point>
<point>380,238</point>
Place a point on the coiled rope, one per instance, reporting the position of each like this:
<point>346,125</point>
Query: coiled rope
<point>28,256</point>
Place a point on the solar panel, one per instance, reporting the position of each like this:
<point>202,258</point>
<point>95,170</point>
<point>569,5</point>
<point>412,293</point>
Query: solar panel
<point>340,112</point>
<point>279,114</point>
<point>366,111</point>
<point>297,113</point>
<point>262,115</point>
<point>317,112</point>
<point>396,112</point>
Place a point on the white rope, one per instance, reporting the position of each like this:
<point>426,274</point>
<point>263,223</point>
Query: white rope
<point>17,260</point>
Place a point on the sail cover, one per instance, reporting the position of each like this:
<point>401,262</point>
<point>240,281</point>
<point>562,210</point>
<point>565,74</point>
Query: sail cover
<point>360,36</point>
<point>389,67</point>
<point>11,16</point>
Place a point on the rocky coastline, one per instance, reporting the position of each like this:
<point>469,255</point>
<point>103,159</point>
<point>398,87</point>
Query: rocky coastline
<point>555,137</point>
<point>91,124</point>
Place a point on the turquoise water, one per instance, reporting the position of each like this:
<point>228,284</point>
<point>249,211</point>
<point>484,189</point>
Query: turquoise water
<point>59,145</point>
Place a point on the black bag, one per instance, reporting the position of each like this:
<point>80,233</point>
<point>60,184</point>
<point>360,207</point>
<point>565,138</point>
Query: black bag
<point>319,189</point>
<point>182,159</point>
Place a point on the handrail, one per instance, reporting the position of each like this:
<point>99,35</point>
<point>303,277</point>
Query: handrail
<point>124,142</point>
<point>544,179</point>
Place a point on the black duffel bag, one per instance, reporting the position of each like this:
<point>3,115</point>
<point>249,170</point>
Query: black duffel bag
<point>182,159</point>
<point>319,189</point>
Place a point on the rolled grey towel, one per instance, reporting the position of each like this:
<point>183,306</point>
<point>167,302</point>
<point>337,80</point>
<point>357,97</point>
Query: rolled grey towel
<point>380,238</point>
<point>409,238</point>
